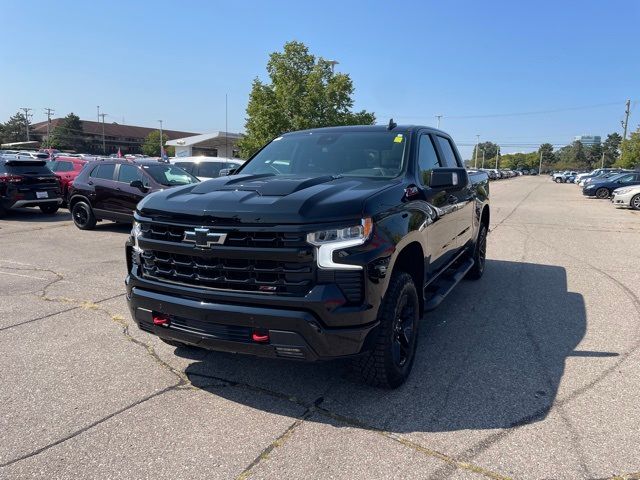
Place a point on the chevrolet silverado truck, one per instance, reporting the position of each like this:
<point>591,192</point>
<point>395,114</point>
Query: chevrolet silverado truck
<point>327,243</point>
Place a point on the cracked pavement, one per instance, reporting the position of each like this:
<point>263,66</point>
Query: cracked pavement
<point>530,373</point>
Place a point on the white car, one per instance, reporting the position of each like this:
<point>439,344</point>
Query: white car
<point>206,168</point>
<point>627,197</point>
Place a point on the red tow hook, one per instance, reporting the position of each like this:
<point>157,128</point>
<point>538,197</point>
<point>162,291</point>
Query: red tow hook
<point>161,319</point>
<point>260,336</point>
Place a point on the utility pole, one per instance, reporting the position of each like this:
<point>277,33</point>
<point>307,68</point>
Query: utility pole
<point>26,118</point>
<point>49,112</point>
<point>104,147</point>
<point>226,122</point>
<point>475,165</point>
<point>482,158</point>
<point>98,113</point>
<point>540,167</point>
<point>160,138</point>
<point>624,126</point>
<point>602,165</point>
<point>439,117</point>
<point>497,156</point>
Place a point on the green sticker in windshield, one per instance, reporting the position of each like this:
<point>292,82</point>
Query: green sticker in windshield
<point>399,138</point>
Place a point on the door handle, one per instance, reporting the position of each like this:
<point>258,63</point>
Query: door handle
<point>90,182</point>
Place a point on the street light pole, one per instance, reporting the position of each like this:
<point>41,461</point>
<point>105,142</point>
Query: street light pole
<point>475,165</point>
<point>160,138</point>
<point>104,146</point>
<point>497,156</point>
<point>482,158</point>
<point>540,167</point>
<point>438,117</point>
<point>98,107</point>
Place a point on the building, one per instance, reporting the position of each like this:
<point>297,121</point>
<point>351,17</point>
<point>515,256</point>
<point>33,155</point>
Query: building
<point>588,140</point>
<point>216,144</point>
<point>127,138</point>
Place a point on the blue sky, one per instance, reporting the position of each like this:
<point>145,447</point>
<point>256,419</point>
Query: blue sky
<point>143,61</point>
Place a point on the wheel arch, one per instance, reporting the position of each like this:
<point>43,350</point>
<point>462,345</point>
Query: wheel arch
<point>406,261</point>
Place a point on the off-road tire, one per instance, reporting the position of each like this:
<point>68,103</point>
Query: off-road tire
<point>479,255</point>
<point>378,367</point>
<point>83,216</point>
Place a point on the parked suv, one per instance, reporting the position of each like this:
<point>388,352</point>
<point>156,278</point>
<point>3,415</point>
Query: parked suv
<point>28,183</point>
<point>66,169</point>
<point>327,243</point>
<point>111,189</point>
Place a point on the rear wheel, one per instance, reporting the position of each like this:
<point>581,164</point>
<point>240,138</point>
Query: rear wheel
<point>83,216</point>
<point>389,363</point>
<point>3,211</point>
<point>479,255</point>
<point>49,209</point>
<point>635,202</point>
<point>602,193</point>
<point>558,180</point>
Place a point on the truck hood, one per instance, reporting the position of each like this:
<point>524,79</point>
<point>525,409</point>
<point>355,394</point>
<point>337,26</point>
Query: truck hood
<point>267,199</point>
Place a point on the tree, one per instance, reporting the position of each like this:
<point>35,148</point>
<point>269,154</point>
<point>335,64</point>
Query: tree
<point>151,145</point>
<point>15,130</point>
<point>630,157</point>
<point>611,148</point>
<point>67,135</point>
<point>548,158</point>
<point>490,149</point>
<point>579,157</point>
<point>304,93</point>
<point>594,155</point>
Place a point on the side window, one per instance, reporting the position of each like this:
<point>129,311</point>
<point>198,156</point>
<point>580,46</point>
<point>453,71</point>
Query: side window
<point>64,167</point>
<point>427,159</point>
<point>209,169</point>
<point>104,171</point>
<point>187,166</point>
<point>128,173</point>
<point>447,151</point>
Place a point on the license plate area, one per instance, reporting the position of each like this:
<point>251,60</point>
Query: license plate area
<point>42,194</point>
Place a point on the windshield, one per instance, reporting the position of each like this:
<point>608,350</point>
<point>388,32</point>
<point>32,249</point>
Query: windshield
<point>169,175</point>
<point>361,154</point>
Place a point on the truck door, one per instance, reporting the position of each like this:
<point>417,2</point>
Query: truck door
<point>441,234</point>
<point>463,195</point>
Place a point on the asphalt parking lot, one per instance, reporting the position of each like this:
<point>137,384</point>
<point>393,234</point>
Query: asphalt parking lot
<point>531,372</point>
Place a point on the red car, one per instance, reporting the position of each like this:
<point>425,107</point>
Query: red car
<point>66,169</point>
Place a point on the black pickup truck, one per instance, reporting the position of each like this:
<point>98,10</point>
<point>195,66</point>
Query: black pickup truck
<point>327,243</point>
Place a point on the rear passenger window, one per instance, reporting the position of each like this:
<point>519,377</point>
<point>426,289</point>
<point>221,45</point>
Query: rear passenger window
<point>186,166</point>
<point>447,151</point>
<point>104,171</point>
<point>129,173</point>
<point>427,159</point>
<point>209,169</point>
<point>64,166</point>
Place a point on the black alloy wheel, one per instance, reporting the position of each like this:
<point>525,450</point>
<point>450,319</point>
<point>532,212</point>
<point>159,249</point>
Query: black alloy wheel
<point>602,193</point>
<point>83,216</point>
<point>479,254</point>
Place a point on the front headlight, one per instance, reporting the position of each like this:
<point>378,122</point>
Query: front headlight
<point>621,191</point>
<point>136,232</point>
<point>328,241</point>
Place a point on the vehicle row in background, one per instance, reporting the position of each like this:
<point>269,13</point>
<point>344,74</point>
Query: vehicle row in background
<point>497,174</point>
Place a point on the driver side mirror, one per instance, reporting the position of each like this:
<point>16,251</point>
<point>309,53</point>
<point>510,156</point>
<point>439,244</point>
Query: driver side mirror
<point>227,171</point>
<point>449,177</point>
<point>139,185</point>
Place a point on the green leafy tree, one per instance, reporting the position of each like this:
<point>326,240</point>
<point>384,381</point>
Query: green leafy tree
<point>490,149</point>
<point>630,157</point>
<point>304,92</point>
<point>579,156</point>
<point>15,130</point>
<point>611,148</point>
<point>564,158</point>
<point>548,157</point>
<point>151,145</point>
<point>594,155</point>
<point>68,134</point>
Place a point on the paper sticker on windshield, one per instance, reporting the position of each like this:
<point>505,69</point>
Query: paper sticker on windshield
<point>399,138</point>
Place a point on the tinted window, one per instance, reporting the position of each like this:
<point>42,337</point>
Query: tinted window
<point>186,166</point>
<point>104,171</point>
<point>28,168</point>
<point>169,175</point>
<point>60,166</point>
<point>427,158</point>
<point>447,151</point>
<point>210,169</point>
<point>129,173</point>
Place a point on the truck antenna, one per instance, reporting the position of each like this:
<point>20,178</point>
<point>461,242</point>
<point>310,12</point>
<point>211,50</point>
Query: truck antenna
<point>392,124</point>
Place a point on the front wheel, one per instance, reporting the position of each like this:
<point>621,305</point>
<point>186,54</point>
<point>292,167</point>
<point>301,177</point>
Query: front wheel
<point>558,180</point>
<point>602,193</point>
<point>635,202</point>
<point>479,255</point>
<point>389,363</point>
<point>49,209</point>
<point>83,216</point>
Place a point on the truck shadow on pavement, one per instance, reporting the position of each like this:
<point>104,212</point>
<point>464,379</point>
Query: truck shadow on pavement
<point>491,357</point>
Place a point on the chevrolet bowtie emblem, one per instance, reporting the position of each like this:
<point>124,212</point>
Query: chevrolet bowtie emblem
<point>204,238</point>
